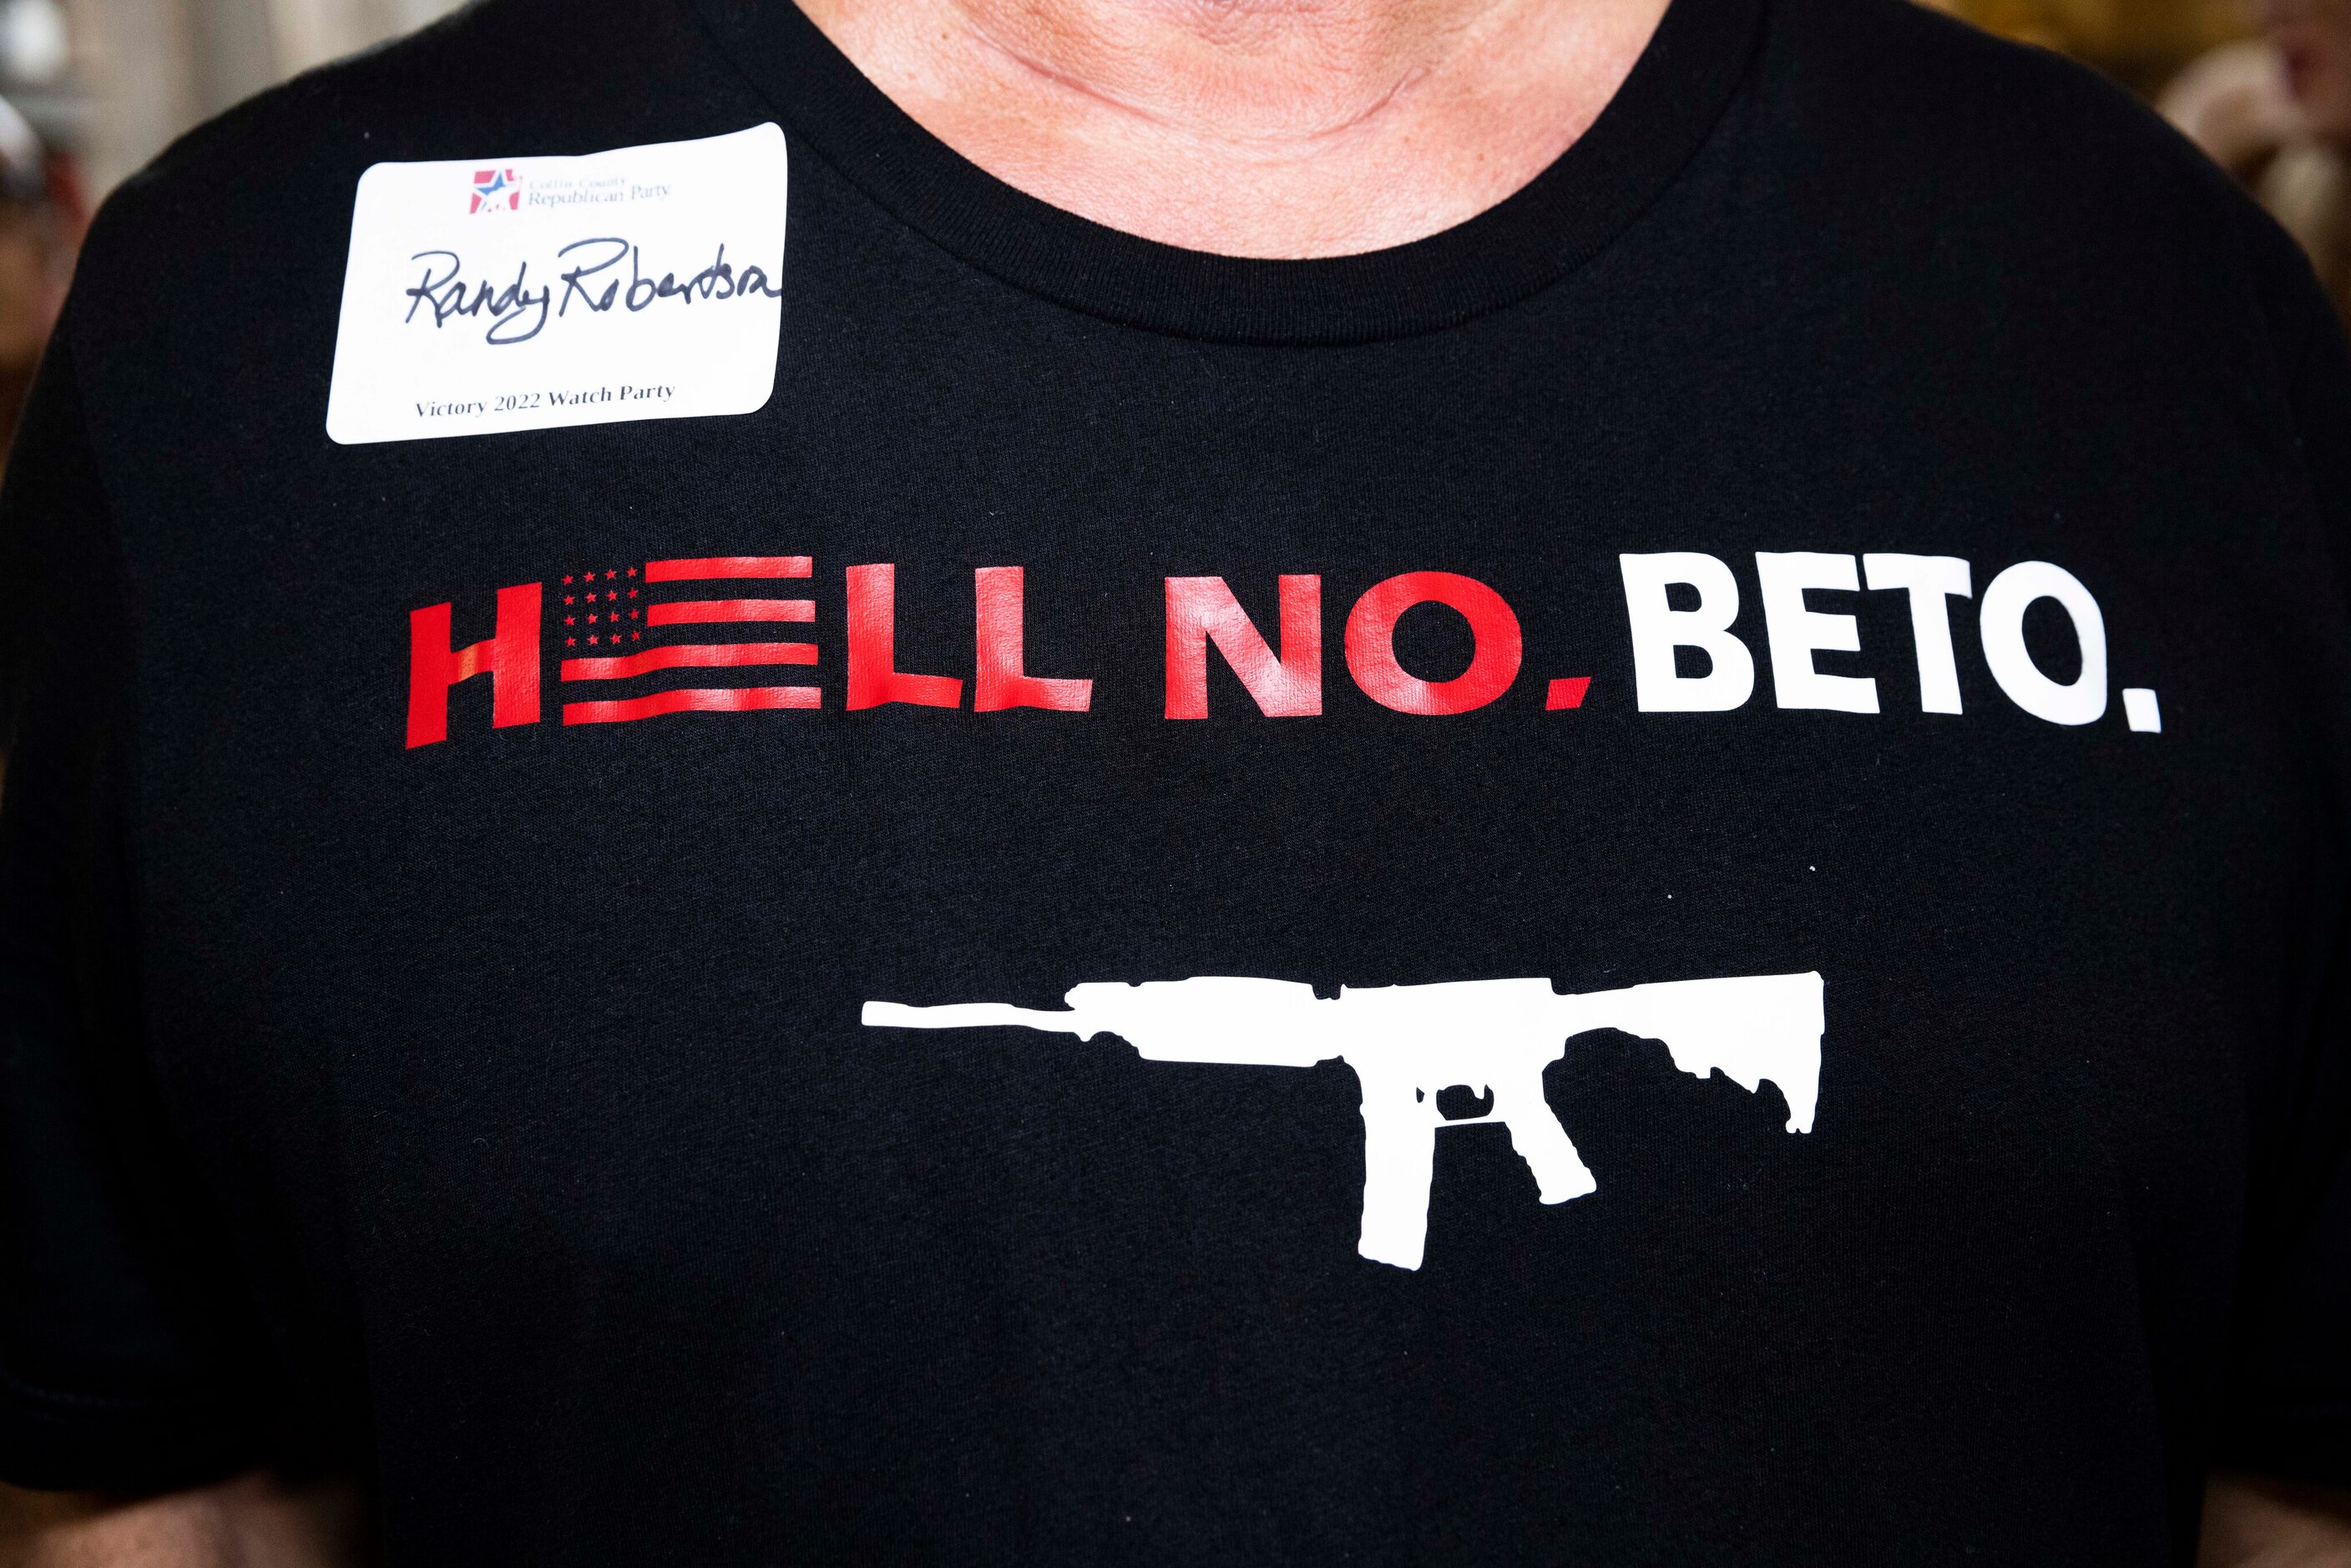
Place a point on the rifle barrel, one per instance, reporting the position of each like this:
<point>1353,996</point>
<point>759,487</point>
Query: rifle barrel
<point>965,1015</point>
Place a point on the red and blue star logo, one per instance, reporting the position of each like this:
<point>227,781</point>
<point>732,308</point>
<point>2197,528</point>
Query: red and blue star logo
<point>496,191</point>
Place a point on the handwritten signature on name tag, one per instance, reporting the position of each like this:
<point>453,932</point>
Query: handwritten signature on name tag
<point>517,313</point>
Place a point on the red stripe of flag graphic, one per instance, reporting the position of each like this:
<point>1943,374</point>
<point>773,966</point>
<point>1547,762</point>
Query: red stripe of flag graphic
<point>703,611</point>
<point>689,656</point>
<point>691,699</point>
<point>714,567</point>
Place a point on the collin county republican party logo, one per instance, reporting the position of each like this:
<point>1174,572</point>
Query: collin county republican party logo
<point>496,190</point>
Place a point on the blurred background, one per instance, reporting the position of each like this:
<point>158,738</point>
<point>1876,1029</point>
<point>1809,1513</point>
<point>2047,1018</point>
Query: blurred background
<point>91,89</point>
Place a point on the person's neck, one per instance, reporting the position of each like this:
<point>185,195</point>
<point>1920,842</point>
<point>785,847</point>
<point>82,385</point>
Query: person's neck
<point>1262,128</point>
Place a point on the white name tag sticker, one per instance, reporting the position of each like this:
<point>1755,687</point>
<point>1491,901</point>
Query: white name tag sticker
<point>496,294</point>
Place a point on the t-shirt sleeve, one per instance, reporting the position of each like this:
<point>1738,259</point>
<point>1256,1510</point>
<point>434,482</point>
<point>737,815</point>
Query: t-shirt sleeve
<point>129,1358</point>
<point>2287,1410</point>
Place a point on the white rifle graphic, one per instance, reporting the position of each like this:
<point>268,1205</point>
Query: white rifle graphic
<point>1408,1043</point>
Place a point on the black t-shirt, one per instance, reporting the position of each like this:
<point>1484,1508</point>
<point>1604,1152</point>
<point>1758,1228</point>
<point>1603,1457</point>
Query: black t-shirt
<point>1857,546</point>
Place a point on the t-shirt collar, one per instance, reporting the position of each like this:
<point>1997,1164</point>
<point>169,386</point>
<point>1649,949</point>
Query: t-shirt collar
<point>1667,106</point>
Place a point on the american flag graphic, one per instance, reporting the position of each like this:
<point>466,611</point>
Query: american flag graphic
<point>604,616</point>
